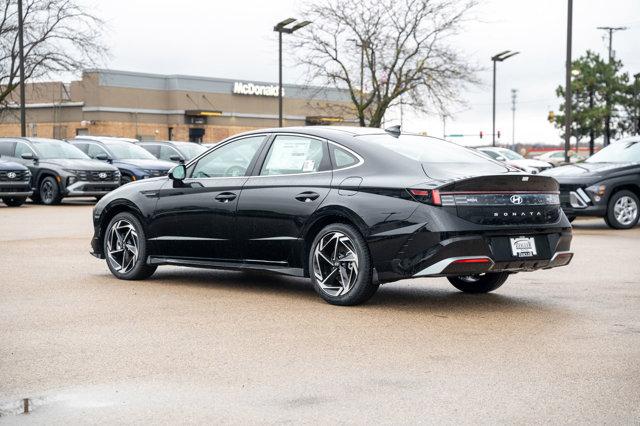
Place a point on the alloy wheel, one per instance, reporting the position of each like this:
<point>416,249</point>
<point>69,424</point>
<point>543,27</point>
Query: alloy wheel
<point>335,264</point>
<point>46,192</point>
<point>625,210</point>
<point>122,246</point>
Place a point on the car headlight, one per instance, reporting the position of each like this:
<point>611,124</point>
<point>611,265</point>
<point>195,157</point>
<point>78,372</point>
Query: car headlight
<point>72,171</point>
<point>71,180</point>
<point>597,189</point>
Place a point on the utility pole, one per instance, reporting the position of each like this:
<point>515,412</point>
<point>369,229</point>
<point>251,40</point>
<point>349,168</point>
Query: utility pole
<point>497,58</point>
<point>23,114</point>
<point>636,100</point>
<point>567,85</point>
<point>514,94</point>
<point>607,119</point>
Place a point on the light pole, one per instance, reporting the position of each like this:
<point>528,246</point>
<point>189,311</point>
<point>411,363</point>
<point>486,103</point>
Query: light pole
<point>567,85</point>
<point>280,28</point>
<point>497,58</point>
<point>607,119</point>
<point>23,115</point>
<point>514,94</point>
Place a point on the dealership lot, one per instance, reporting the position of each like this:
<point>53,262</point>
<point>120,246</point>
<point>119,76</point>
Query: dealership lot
<point>194,345</point>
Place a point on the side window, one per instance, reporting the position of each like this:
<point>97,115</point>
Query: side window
<point>166,152</point>
<point>292,155</point>
<point>343,158</point>
<point>232,159</point>
<point>492,154</point>
<point>7,148</point>
<point>558,155</point>
<point>94,150</point>
<point>21,148</point>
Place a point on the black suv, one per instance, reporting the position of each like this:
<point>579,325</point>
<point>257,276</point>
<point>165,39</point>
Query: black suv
<point>175,151</point>
<point>607,185</point>
<point>59,169</point>
<point>15,184</point>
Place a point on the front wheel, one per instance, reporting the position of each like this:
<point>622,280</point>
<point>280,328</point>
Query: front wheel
<point>622,210</point>
<point>125,248</point>
<point>480,283</point>
<point>14,201</point>
<point>340,266</point>
<point>49,191</point>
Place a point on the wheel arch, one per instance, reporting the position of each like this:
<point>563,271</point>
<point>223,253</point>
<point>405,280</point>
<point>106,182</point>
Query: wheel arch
<point>115,207</point>
<point>625,186</point>
<point>323,218</point>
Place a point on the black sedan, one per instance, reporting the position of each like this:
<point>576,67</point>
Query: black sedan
<point>606,185</point>
<point>351,208</point>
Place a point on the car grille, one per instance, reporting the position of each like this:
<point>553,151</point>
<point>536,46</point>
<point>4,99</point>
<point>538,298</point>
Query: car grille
<point>565,191</point>
<point>21,175</point>
<point>157,173</point>
<point>95,175</point>
<point>20,188</point>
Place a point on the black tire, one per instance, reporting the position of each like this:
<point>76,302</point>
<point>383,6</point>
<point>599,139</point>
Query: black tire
<point>362,288</point>
<point>139,269</point>
<point>49,191</point>
<point>615,219</point>
<point>479,283</point>
<point>14,201</point>
<point>124,179</point>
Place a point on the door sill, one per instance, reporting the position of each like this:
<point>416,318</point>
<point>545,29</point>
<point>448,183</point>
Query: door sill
<point>239,265</point>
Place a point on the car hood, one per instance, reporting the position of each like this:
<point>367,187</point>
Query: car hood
<point>529,163</point>
<point>75,164</point>
<point>146,164</point>
<point>589,172</point>
<point>10,165</point>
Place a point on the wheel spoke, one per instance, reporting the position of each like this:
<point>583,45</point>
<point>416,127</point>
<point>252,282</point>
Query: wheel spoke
<point>335,264</point>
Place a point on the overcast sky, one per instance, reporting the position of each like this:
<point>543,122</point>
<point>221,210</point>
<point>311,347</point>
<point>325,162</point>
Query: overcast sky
<point>234,39</point>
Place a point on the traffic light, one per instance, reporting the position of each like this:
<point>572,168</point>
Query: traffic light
<point>551,117</point>
<point>481,134</point>
<point>498,134</point>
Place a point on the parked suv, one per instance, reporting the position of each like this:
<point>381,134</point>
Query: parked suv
<point>178,152</point>
<point>133,161</point>
<point>60,170</point>
<point>15,182</point>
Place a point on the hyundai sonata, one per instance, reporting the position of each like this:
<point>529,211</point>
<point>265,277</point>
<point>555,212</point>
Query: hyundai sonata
<point>350,208</point>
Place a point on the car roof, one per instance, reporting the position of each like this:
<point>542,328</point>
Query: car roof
<point>105,139</point>
<point>31,139</point>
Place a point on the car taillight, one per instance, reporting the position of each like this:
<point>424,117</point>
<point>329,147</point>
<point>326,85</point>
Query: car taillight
<point>427,196</point>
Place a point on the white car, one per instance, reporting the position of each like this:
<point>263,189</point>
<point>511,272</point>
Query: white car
<point>557,157</point>
<point>514,159</point>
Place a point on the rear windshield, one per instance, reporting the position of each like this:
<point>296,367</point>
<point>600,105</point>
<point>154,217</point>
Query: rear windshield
<point>429,150</point>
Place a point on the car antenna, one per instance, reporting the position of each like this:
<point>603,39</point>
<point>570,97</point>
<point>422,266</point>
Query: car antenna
<point>393,130</point>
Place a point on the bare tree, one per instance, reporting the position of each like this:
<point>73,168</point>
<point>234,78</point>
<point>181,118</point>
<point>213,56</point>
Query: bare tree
<point>59,36</point>
<point>384,51</point>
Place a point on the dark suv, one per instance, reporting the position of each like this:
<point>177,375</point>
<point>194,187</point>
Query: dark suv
<point>60,170</point>
<point>15,185</point>
<point>175,151</point>
<point>133,161</point>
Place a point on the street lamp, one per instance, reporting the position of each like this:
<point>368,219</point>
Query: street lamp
<point>497,58</point>
<point>280,28</point>
<point>23,115</point>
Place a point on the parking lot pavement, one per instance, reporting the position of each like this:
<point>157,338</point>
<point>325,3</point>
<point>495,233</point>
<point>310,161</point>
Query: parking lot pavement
<point>196,345</point>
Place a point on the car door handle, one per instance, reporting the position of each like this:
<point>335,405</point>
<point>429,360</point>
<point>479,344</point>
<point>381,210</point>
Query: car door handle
<point>225,197</point>
<point>307,197</point>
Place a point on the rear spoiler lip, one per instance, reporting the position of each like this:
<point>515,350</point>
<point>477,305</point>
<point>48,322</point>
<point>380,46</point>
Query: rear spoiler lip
<point>496,192</point>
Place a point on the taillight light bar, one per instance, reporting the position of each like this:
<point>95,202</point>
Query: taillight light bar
<point>427,196</point>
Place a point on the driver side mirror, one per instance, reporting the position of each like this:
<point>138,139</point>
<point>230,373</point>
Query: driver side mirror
<point>176,158</point>
<point>28,156</point>
<point>178,173</point>
<point>500,158</point>
<point>102,157</point>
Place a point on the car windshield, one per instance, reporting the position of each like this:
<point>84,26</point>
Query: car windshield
<point>128,151</point>
<point>618,152</point>
<point>510,155</point>
<point>54,149</point>
<point>191,150</point>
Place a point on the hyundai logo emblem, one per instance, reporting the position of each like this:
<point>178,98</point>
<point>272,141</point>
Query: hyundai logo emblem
<point>102,175</point>
<point>516,199</point>
<point>11,175</point>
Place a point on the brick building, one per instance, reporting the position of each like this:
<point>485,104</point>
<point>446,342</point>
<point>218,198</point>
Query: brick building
<point>173,107</point>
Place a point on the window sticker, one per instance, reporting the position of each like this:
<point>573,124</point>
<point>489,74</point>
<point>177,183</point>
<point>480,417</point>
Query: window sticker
<point>308,166</point>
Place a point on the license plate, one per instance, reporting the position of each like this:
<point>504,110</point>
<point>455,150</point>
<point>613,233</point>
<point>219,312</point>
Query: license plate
<point>523,246</point>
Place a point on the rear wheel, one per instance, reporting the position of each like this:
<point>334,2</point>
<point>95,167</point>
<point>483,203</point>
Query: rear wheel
<point>14,201</point>
<point>124,179</point>
<point>125,248</point>
<point>480,283</point>
<point>49,191</point>
<point>340,266</point>
<point>622,210</point>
